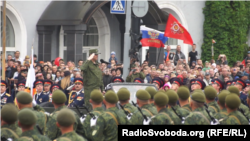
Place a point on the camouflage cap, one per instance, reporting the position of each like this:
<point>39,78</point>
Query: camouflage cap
<point>222,96</point>
<point>198,97</point>
<point>183,93</point>
<point>23,97</point>
<point>151,90</point>
<point>233,89</point>
<point>172,96</point>
<point>232,101</point>
<point>161,99</point>
<point>27,117</point>
<point>96,96</point>
<point>93,51</point>
<point>58,97</point>
<point>111,97</point>
<point>210,92</point>
<point>123,94</point>
<point>65,117</point>
<point>9,113</point>
<point>143,95</point>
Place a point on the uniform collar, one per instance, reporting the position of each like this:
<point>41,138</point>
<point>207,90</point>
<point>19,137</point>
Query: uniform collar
<point>78,92</point>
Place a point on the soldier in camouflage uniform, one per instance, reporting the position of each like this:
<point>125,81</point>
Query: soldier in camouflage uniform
<point>198,116</point>
<point>176,109</point>
<point>152,91</point>
<point>211,94</point>
<point>145,105</point>
<point>8,118</point>
<point>65,121</point>
<point>24,100</point>
<point>184,93</point>
<point>162,118</point>
<point>58,100</point>
<point>106,127</point>
<point>221,102</point>
<point>96,99</point>
<point>92,76</point>
<point>234,117</point>
<point>27,120</point>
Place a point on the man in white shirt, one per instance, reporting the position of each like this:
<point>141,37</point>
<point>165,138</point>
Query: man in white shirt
<point>17,57</point>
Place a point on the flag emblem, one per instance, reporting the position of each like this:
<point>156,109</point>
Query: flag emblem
<point>176,28</point>
<point>153,35</point>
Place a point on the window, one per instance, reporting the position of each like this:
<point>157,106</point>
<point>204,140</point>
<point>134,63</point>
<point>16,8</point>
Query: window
<point>172,41</point>
<point>10,35</point>
<point>91,38</point>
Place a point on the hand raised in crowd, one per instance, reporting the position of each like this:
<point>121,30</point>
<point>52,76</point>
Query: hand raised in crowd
<point>91,56</point>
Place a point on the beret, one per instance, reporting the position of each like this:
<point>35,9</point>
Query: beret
<point>198,91</point>
<point>183,93</point>
<point>9,113</point>
<point>65,117</point>
<point>96,96</point>
<point>210,92</point>
<point>222,96</point>
<point>233,89</point>
<point>152,91</point>
<point>23,97</point>
<point>143,95</point>
<point>123,94</point>
<point>111,97</point>
<point>161,99</point>
<point>198,97</point>
<point>58,97</point>
<point>172,96</point>
<point>27,117</point>
<point>232,101</point>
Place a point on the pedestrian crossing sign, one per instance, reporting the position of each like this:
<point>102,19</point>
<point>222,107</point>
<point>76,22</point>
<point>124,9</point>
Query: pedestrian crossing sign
<point>117,6</point>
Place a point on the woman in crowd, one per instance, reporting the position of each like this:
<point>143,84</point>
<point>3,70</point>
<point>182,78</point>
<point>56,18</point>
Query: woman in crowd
<point>58,76</point>
<point>119,72</point>
<point>65,83</point>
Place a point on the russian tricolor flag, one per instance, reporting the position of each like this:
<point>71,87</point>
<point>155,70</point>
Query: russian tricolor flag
<point>152,38</point>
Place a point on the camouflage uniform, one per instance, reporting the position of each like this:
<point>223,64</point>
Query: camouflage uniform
<point>52,131</point>
<point>133,76</point>
<point>222,114</point>
<point>174,117</point>
<point>136,114</point>
<point>162,118</point>
<point>73,136</point>
<point>34,135</point>
<point>187,107</point>
<point>244,108</point>
<point>180,111</point>
<point>213,108</point>
<point>11,131</point>
<point>234,118</point>
<point>198,117</point>
<point>150,108</point>
<point>86,125</point>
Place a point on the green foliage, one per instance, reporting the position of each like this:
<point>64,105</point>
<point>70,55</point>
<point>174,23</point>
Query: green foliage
<point>228,24</point>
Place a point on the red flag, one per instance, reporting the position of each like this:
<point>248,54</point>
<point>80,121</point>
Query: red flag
<point>243,63</point>
<point>175,30</point>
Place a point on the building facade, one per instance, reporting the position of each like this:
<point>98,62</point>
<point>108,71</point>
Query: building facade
<point>68,29</point>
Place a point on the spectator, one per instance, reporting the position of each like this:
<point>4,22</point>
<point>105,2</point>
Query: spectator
<point>247,59</point>
<point>199,62</point>
<point>73,75</point>
<point>207,79</point>
<point>113,57</point>
<point>224,74</point>
<point>65,82</point>
<point>107,79</point>
<point>9,57</point>
<point>78,75</point>
<point>186,80</point>
<point>70,65</point>
<point>113,73</point>
<point>118,72</point>
<point>192,56</point>
<point>135,74</point>
<point>62,74</point>
<point>193,64</point>
<point>211,72</point>
<point>199,77</point>
<point>58,76</point>
<point>10,70</point>
<point>18,68</point>
<point>214,68</point>
<point>168,55</point>
<point>206,66</point>
<point>212,61</point>
<point>54,69</point>
<point>80,62</point>
<point>222,60</point>
<point>49,77</point>
<point>17,57</point>
<point>35,58</point>
<point>62,66</point>
<point>178,55</point>
<point>226,78</point>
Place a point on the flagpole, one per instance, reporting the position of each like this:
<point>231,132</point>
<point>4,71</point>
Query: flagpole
<point>4,39</point>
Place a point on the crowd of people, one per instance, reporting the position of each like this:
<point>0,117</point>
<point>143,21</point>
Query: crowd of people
<point>186,92</point>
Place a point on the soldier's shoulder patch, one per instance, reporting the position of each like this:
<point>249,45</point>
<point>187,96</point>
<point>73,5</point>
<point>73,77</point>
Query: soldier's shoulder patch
<point>82,91</point>
<point>94,132</point>
<point>8,95</point>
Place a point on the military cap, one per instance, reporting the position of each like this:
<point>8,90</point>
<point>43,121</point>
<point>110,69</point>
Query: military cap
<point>229,83</point>
<point>199,91</point>
<point>247,83</point>
<point>175,80</point>
<point>241,82</point>
<point>21,83</point>
<point>233,89</point>
<point>59,97</point>
<point>143,95</point>
<point>232,101</point>
<point>152,91</point>
<point>24,71</point>
<point>37,82</point>
<point>183,93</point>
<point>117,79</point>
<point>198,81</point>
<point>65,117</point>
<point>9,113</point>
<point>96,96</point>
<point>27,117</point>
<point>47,82</point>
<point>55,86</point>
<point>172,96</point>
<point>210,92</point>
<point>233,82</point>
<point>123,94</point>
<point>218,82</point>
<point>222,96</point>
<point>158,81</point>
<point>4,83</point>
<point>111,97</point>
<point>78,80</point>
<point>138,80</point>
<point>198,97</point>
<point>93,51</point>
<point>161,99</point>
<point>23,97</point>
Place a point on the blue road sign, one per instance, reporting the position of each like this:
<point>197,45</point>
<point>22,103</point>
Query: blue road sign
<point>118,6</point>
